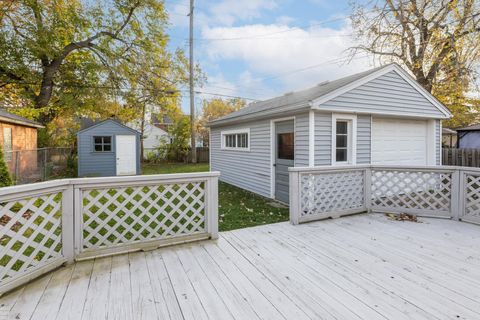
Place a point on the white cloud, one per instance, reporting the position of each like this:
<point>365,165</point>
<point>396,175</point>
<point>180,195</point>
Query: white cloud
<point>243,85</point>
<point>229,11</point>
<point>270,50</point>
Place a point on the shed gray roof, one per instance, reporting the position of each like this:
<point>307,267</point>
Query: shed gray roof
<point>8,117</point>
<point>470,128</point>
<point>448,131</point>
<point>99,123</point>
<point>296,99</point>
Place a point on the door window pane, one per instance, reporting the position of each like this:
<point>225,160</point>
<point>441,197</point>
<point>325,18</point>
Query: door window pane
<point>285,146</point>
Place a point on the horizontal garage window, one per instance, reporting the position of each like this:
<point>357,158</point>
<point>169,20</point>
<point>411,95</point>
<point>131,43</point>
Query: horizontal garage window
<point>102,143</point>
<point>236,140</point>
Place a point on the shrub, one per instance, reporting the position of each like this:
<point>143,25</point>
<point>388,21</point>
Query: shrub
<point>5,178</point>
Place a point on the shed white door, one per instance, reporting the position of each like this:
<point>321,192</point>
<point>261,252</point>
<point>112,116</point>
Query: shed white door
<point>399,141</point>
<point>126,152</point>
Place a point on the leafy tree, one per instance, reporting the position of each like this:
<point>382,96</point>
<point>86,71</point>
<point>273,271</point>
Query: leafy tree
<point>5,178</point>
<point>177,146</point>
<point>100,58</point>
<point>436,40</point>
<point>214,109</point>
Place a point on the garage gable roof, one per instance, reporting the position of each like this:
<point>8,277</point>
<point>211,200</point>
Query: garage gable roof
<point>325,91</point>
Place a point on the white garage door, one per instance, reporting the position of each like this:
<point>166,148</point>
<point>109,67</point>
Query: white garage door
<point>399,142</point>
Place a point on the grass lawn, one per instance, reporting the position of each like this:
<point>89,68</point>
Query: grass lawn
<point>237,208</point>
<point>163,168</point>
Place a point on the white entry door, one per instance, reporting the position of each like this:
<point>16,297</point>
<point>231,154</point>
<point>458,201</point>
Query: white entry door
<point>399,141</point>
<point>126,152</point>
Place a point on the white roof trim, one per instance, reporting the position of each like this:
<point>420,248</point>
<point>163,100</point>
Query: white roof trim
<point>316,104</point>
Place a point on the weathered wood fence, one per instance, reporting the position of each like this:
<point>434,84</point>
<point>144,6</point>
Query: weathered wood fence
<point>46,224</point>
<point>442,191</point>
<point>461,157</point>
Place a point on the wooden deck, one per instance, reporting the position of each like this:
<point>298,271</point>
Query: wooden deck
<point>359,267</point>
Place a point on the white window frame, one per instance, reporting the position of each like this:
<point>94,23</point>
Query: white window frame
<point>236,132</point>
<point>351,119</point>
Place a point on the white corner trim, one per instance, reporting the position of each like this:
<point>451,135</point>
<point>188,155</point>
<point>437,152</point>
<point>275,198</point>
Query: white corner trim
<point>235,131</point>
<point>431,143</point>
<point>352,138</point>
<point>311,138</point>
<point>393,67</point>
<point>440,136</point>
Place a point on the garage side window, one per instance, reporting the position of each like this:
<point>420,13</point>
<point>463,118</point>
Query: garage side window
<point>344,139</point>
<point>236,140</point>
<point>102,143</point>
<point>342,151</point>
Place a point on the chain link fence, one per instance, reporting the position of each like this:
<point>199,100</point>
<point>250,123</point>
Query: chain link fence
<point>28,166</point>
<point>154,155</point>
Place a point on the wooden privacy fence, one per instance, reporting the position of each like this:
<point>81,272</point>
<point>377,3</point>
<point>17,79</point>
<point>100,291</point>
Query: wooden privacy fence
<point>46,224</point>
<point>442,191</point>
<point>461,157</point>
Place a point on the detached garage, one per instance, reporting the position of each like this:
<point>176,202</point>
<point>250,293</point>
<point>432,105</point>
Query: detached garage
<point>108,148</point>
<point>380,116</point>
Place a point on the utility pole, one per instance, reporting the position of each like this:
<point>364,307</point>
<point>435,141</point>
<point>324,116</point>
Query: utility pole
<point>192,93</point>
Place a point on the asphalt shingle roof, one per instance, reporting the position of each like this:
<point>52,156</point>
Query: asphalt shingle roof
<point>18,119</point>
<point>470,128</point>
<point>298,97</point>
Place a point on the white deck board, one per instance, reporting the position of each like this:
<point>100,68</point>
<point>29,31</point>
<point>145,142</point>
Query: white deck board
<point>359,267</point>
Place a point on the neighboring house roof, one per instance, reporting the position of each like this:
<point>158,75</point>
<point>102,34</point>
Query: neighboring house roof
<point>448,131</point>
<point>321,93</point>
<point>8,117</point>
<point>470,128</point>
<point>105,121</point>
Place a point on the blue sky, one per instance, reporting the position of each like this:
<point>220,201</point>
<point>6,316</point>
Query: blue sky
<point>262,48</point>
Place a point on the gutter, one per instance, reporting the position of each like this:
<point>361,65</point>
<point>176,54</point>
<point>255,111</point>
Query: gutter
<point>257,115</point>
<point>23,123</point>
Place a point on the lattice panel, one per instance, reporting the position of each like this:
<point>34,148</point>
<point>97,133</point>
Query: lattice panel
<point>30,234</point>
<point>472,198</point>
<point>113,216</point>
<point>419,190</point>
<point>332,192</point>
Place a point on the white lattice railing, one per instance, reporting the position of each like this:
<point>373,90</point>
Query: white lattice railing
<point>323,192</point>
<point>46,224</point>
<point>327,193</point>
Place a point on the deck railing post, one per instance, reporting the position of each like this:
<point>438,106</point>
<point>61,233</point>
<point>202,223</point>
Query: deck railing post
<point>68,233</point>
<point>458,194</point>
<point>77,220</point>
<point>295,191</point>
<point>211,211</point>
<point>368,189</point>
<point>455,195</point>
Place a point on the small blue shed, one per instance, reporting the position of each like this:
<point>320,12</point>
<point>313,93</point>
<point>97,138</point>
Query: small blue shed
<point>108,148</point>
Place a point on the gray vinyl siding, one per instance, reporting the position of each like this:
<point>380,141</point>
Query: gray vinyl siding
<point>387,94</point>
<point>301,140</point>
<point>249,170</point>
<point>438,142</point>
<point>364,130</point>
<point>323,138</point>
<point>96,164</point>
